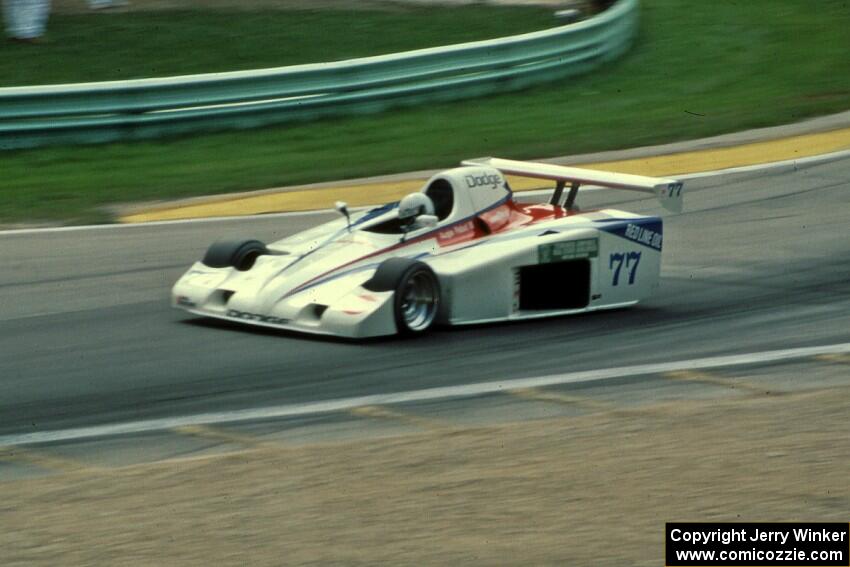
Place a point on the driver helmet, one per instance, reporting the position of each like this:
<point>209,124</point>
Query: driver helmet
<point>414,205</point>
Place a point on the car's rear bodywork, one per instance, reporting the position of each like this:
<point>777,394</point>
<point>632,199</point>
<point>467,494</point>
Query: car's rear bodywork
<point>494,258</point>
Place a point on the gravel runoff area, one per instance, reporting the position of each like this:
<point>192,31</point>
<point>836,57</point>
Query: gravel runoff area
<point>569,491</point>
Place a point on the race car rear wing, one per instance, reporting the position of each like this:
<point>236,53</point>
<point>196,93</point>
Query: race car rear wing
<point>667,191</point>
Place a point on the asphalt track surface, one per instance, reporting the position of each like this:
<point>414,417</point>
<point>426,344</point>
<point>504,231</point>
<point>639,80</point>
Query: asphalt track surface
<point>757,262</point>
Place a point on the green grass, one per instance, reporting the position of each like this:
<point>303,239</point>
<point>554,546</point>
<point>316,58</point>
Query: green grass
<point>699,68</point>
<point>112,46</point>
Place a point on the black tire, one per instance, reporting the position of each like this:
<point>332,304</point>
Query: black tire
<point>239,254</point>
<point>416,297</point>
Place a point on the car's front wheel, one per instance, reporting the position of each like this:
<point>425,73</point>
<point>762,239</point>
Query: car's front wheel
<point>240,254</point>
<point>416,297</point>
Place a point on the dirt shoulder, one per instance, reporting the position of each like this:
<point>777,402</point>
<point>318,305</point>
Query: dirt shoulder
<point>562,491</point>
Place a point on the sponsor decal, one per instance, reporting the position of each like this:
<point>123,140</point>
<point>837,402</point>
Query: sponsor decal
<point>643,235</point>
<point>246,316</point>
<point>456,233</point>
<point>648,232</point>
<point>497,218</point>
<point>567,250</point>
<point>488,180</point>
<point>186,302</point>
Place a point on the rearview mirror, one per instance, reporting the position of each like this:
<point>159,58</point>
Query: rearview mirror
<point>342,208</point>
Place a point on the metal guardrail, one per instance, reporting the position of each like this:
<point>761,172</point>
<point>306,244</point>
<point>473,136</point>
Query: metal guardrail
<point>148,108</point>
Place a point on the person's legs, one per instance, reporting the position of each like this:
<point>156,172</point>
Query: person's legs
<point>11,17</point>
<point>42,14</point>
<point>27,18</point>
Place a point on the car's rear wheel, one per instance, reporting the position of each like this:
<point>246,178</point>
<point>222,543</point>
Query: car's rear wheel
<point>416,297</point>
<point>239,254</point>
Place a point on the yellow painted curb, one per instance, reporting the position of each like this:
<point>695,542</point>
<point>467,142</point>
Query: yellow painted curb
<point>376,193</point>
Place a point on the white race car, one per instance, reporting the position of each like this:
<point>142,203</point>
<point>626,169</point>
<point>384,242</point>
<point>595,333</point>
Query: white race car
<point>460,251</point>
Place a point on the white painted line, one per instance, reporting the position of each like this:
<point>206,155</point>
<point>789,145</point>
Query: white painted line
<point>430,394</point>
<point>19,231</point>
<point>807,161</point>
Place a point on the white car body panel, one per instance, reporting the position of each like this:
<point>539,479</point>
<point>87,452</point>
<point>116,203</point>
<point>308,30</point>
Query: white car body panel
<point>495,260</point>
